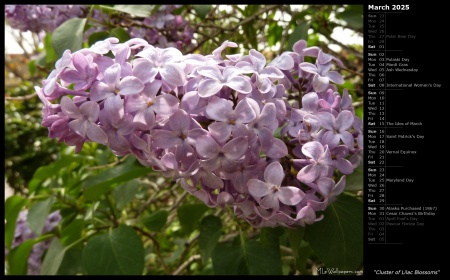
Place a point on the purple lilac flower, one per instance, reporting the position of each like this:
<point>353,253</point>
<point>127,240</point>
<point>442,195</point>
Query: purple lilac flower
<point>215,80</point>
<point>319,165</point>
<point>272,191</point>
<point>210,122</point>
<point>321,71</point>
<point>37,18</point>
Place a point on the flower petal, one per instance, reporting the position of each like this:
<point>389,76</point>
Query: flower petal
<point>331,139</point>
<point>240,84</point>
<point>218,109</point>
<point>144,70</point>
<point>258,188</point>
<point>207,147</point>
<point>208,87</point>
<point>313,150</point>
<point>335,77</point>
<point>274,174</point>
<point>112,75</point>
<point>348,139</point>
<point>290,195</point>
<point>328,121</point>
<point>277,150</point>
<point>308,67</point>
<point>244,112</point>
<point>270,201</point>
<point>179,121</point>
<point>320,83</point>
<point>220,131</point>
<point>96,134</point>
<point>210,71</point>
<point>130,85</point>
<point>308,173</point>
<point>344,166</point>
<point>212,181</point>
<point>166,139</point>
<point>173,74</point>
<point>310,102</point>
<point>69,108</point>
<point>344,120</point>
<point>236,148</point>
<point>166,104</point>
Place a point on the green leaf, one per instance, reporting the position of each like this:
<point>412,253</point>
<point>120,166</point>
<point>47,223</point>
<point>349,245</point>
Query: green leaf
<point>32,67</point>
<point>338,238</point>
<point>53,258</point>
<point>189,216</point>
<point>274,34</point>
<point>68,35</point>
<point>300,32</point>
<point>50,54</point>
<point>13,205</point>
<point>354,181</point>
<point>295,237</point>
<point>353,17</point>
<point>18,257</point>
<point>249,29</point>
<point>120,34</point>
<point>118,252</point>
<point>135,10</point>
<point>45,172</point>
<point>72,232</point>
<point>210,230</point>
<point>125,193</point>
<point>41,59</point>
<point>202,10</point>
<point>37,215</point>
<point>252,258</point>
<point>71,263</point>
<point>98,36</point>
<point>229,260</point>
<point>103,182</point>
<point>156,221</point>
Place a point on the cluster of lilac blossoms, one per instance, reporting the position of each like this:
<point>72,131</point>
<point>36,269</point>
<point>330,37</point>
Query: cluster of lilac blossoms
<point>23,233</point>
<point>37,18</point>
<point>162,28</point>
<point>209,122</point>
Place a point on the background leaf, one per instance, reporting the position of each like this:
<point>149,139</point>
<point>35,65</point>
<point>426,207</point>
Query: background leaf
<point>156,221</point>
<point>189,216</point>
<point>18,257</point>
<point>120,34</point>
<point>72,232</point>
<point>13,205</point>
<point>354,181</point>
<point>343,224</point>
<point>53,258</point>
<point>252,258</point>
<point>98,36</point>
<point>68,35</point>
<point>50,54</point>
<point>295,237</point>
<point>210,230</point>
<point>353,15</point>
<point>37,215</point>
<point>72,262</point>
<point>135,10</point>
<point>106,180</point>
<point>300,32</point>
<point>202,10</point>
<point>125,193</point>
<point>118,252</point>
